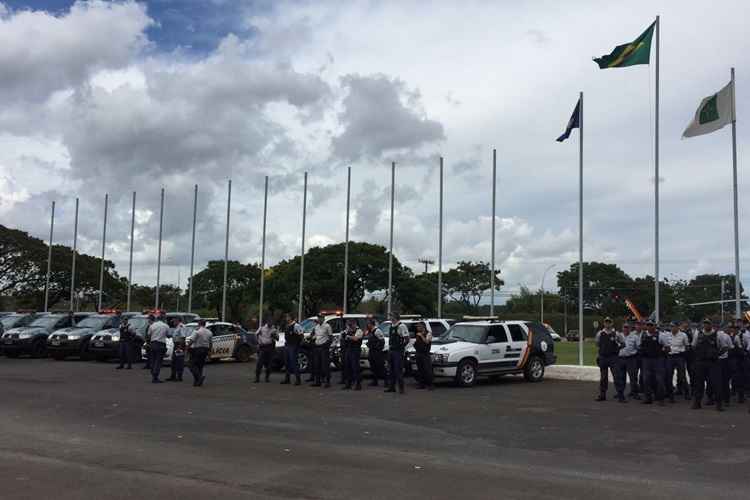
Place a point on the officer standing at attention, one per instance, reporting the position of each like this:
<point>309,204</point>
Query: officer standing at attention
<point>267,338</point>
<point>628,358</point>
<point>707,370</point>
<point>609,342</point>
<point>422,344</point>
<point>678,345</point>
<point>125,348</point>
<point>344,351</point>
<point>736,358</point>
<point>199,344</point>
<point>178,351</point>
<point>639,331</point>
<point>398,339</point>
<point>375,355</point>
<point>689,357</point>
<point>293,336</point>
<point>745,345</point>
<point>322,338</point>
<point>147,342</point>
<point>653,350</point>
<point>726,344</point>
<point>353,336</point>
<point>157,333</point>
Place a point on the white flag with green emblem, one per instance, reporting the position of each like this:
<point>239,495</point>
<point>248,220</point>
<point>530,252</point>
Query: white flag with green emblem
<point>714,112</point>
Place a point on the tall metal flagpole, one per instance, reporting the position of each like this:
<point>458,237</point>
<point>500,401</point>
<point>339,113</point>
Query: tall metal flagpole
<point>226,255</point>
<point>346,245</point>
<point>192,250</point>
<point>263,254</point>
<point>302,255</point>
<point>132,234</point>
<point>492,260</point>
<point>390,248</point>
<point>158,258</point>
<point>738,309</point>
<point>49,258</point>
<point>656,182</point>
<point>440,247</point>
<point>104,244</point>
<point>580,230</point>
<point>73,266</point>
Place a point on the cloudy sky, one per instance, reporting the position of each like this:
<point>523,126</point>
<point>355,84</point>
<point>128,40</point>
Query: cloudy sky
<point>111,97</point>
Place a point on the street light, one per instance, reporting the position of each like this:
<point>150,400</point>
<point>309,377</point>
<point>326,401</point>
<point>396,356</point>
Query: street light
<point>541,292</point>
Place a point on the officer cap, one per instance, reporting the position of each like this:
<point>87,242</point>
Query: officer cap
<point>650,322</point>
<point>608,320</point>
<point>675,323</point>
<point>707,321</point>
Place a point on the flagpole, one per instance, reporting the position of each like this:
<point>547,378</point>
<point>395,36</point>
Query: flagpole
<point>494,196</point>
<point>49,258</point>
<point>192,249</point>
<point>440,247</point>
<point>390,250</point>
<point>302,255</point>
<point>104,243</point>
<point>580,230</point>
<point>346,245</point>
<point>656,181</point>
<point>132,234</point>
<point>73,266</point>
<point>263,254</point>
<point>158,257</point>
<point>226,255</point>
<point>738,309</point>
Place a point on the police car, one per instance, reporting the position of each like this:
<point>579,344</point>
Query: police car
<point>228,341</point>
<point>436,326</point>
<point>105,344</point>
<point>15,320</point>
<point>31,338</point>
<point>491,348</point>
<point>74,340</point>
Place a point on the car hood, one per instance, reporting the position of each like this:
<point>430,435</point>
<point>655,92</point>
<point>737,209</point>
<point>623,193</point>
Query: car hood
<point>107,331</point>
<point>78,330</point>
<point>451,346</point>
<point>23,329</point>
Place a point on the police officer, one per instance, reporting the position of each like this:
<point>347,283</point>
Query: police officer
<point>147,342</point>
<point>178,351</point>
<point>707,369</point>
<point>678,344</point>
<point>199,345</point>
<point>267,338</point>
<point>652,349</point>
<point>353,337</point>
<point>398,339</point>
<point>736,360</point>
<point>689,357</point>
<point>628,360</point>
<point>609,342</point>
<point>293,336</point>
<point>157,333</point>
<point>344,352</point>
<point>322,336</point>
<point>422,344</point>
<point>726,344</point>
<point>125,348</point>
<point>375,355</point>
<point>745,345</point>
<point>639,331</point>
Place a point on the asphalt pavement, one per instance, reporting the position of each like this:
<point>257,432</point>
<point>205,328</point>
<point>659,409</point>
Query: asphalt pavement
<point>75,430</point>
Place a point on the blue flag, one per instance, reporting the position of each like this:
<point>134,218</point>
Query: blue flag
<point>574,122</point>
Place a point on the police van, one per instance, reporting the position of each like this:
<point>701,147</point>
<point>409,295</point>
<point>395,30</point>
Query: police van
<point>228,341</point>
<point>490,348</point>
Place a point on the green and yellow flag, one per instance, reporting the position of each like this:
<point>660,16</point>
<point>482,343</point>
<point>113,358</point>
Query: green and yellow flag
<point>629,54</point>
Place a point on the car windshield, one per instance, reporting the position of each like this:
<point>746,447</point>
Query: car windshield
<point>45,321</point>
<point>308,325</point>
<point>137,322</point>
<point>467,333</point>
<point>10,321</point>
<point>95,322</point>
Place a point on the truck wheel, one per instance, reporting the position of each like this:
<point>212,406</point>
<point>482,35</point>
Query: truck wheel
<point>534,370</point>
<point>466,373</point>
<point>243,354</point>
<point>39,349</point>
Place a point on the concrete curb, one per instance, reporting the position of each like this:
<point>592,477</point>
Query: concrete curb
<point>573,372</point>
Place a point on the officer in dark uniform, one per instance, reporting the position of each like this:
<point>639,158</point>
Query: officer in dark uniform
<point>422,345</point>
<point>735,373</point>
<point>293,336</point>
<point>398,339</point>
<point>707,369</point>
<point>126,347</point>
<point>178,351</point>
<point>147,342</point>
<point>689,357</point>
<point>344,353</point>
<point>353,339</point>
<point>375,355</point>
<point>609,342</point>
<point>653,357</point>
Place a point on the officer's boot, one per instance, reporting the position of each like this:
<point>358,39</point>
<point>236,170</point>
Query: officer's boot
<point>621,398</point>
<point>358,387</point>
<point>401,387</point>
<point>719,405</point>
<point>740,397</point>
<point>696,405</point>
<point>286,380</point>
<point>391,388</point>
<point>374,383</point>
<point>297,380</point>
<point>268,376</point>
<point>601,397</point>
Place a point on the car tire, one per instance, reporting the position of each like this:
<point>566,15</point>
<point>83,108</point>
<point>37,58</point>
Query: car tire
<point>466,373</point>
<point>39,349</point>
<point>303,361</point>
<point>243,354</point>
<point>534,370</point>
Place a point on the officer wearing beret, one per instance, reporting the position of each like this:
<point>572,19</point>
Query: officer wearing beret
<point>609,342</point>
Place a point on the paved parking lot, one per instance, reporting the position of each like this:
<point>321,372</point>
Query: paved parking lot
<point>71,430</point>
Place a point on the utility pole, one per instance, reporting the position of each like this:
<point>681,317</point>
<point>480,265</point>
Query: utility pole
<point>426,261</point>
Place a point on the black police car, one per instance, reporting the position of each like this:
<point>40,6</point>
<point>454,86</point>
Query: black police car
<point>32,337</point>
<point>105,344</point>
<point>74,340</point>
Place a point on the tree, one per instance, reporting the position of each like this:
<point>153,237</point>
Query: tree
<point>243,286</point>
<point>706,288</point>
<point>467,283</point>
<point>417,294</point>
<point>605,287</point>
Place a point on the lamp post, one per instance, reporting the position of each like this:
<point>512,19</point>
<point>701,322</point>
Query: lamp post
<point>541,292</point>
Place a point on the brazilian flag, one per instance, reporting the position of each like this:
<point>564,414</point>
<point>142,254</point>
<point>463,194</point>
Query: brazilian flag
<point>629,54</point>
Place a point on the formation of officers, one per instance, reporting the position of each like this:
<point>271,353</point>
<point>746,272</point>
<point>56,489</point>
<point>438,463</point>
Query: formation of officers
<point>351,342</point>
<point>707,365</point>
